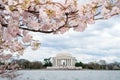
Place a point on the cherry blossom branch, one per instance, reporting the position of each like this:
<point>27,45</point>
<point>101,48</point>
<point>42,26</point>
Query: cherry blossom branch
<point>54,3</point>
<point>33,30</point>
<point>19,17</point>
<point>102,18</point>
<point>51,31</point>
<point>97,14</point>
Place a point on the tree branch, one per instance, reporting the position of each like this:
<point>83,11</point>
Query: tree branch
<point>104,18</point>
<point>33,30</point>
<point>2,7</point>
<point>50,31</point>
<point>97,14</point>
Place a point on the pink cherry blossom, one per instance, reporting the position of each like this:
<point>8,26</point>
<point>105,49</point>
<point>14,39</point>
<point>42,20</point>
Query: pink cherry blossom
<point>13,30</point>
<point>24,32</point>
<point>27,38</point>
<point>19,17</point>
<point>115,10</point>
<point>81,27</point>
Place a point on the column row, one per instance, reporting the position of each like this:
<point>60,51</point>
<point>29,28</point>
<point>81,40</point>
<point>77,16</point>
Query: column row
<point>63,62</point>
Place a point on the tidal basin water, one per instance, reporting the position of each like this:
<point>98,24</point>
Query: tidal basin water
<point>68,75</point>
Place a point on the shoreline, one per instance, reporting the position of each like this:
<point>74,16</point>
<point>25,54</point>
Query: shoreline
<point>64,70</point>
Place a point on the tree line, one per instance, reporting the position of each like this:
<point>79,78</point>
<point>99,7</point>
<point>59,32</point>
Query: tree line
<point>98,66</point>
<point>26,64</point>
<point>102,65</point>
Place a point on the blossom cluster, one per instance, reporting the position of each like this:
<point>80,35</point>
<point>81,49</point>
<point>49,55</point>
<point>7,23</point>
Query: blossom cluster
<point>19,17</point>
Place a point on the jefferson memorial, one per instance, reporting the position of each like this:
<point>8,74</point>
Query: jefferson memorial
<point>63,61</point>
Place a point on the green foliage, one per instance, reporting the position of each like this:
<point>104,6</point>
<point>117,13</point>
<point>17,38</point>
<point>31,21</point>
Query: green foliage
<point>1,63</point>
<point>79,64</point>
<point>47,62</point>
<point>25,64</point>
<point>36,65</point>
<point>94,65</point>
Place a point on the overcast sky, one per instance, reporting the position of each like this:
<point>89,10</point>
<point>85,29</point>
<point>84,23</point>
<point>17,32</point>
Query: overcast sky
<point>99,41</point>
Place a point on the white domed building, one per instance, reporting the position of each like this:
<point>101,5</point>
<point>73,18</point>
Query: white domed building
<point>63,61</point>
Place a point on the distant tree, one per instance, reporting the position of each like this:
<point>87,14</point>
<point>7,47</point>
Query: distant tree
<point>76,64</point>
<point>36,65</point>
<point>93,65</point>
<point>79,64</point>
<point>24,64</point>
<point>1,63</point>
<point>47,62</point>
<point>102,62</point>
<point>113,66</point>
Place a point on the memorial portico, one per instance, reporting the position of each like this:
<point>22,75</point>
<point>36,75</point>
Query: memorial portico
<point>64,59</point>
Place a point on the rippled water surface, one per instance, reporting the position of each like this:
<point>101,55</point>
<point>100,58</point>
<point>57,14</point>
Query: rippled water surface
<point>67,75</point>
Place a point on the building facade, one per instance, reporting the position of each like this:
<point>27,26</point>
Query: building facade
<point>63,61</point>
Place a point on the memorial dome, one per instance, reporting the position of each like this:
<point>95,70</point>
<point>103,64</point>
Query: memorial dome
<point>64,55</point>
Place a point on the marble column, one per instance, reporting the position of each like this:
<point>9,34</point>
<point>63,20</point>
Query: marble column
<point>66,62</point>
<point>71,62</point>
<point>55,62</point>
<point>58,62</point>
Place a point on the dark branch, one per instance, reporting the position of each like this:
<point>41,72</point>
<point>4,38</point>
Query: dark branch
<point>2,7</point>
<point>97,14</point>
<point>104,18</point>
<point>42,31</point>
<point>50,31</point>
